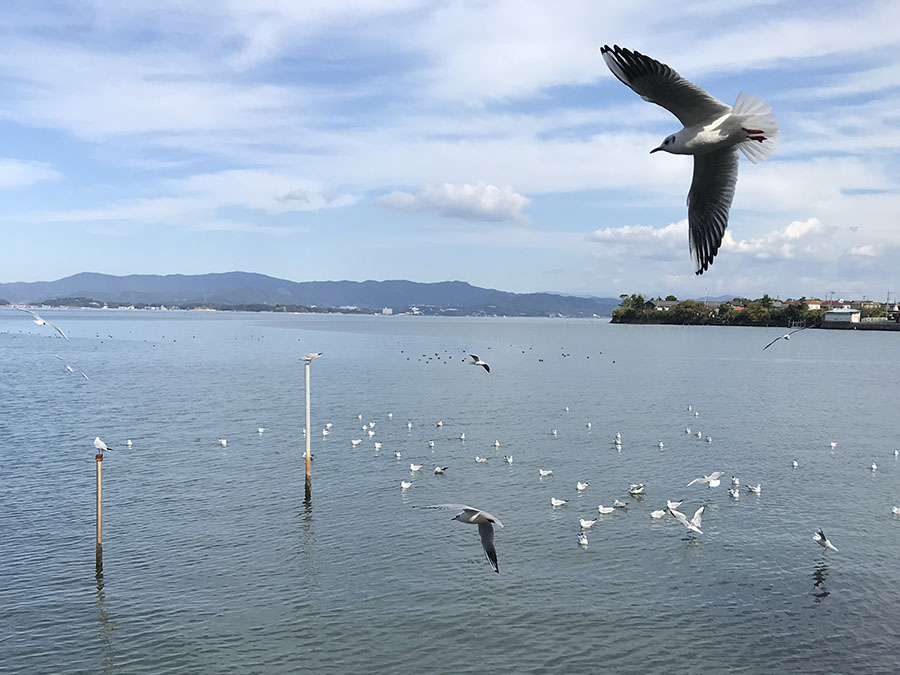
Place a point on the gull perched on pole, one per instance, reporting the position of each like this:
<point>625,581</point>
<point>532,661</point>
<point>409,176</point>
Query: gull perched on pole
<point>43,322</point>
<point>713,133</point>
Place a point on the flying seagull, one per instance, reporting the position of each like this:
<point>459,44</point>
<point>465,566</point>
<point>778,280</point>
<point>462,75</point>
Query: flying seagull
<point>786,336</point>
<point>693,525</point>
<point>485,522</point>
<point>43,322</point>
<point>478,362</point>
<point>712,480</point>
<point>820,538</point>
<point>71,369</point>
<point>713,132</point>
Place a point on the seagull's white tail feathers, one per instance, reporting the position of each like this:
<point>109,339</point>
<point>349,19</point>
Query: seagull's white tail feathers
<point>756,115</point>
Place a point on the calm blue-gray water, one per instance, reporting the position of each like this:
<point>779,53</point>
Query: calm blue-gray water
<point>213,562</point>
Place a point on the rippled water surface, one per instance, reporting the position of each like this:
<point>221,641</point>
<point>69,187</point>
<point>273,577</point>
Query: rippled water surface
<point>214,561</point>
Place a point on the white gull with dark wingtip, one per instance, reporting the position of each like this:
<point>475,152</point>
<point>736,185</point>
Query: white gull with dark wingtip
<point>485,522</point>
<point>713,133</point>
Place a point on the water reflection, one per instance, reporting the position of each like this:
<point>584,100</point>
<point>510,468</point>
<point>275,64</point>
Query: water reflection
<point>105,624</point>
<point>820,574</point>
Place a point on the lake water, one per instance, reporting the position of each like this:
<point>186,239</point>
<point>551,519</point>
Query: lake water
<point>214,562</point>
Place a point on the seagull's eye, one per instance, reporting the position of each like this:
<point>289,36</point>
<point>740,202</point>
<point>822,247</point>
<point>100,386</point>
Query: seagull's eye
<point>666,142</point>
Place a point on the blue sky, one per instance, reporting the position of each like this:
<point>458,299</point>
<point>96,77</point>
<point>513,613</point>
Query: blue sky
<point>473,140</point>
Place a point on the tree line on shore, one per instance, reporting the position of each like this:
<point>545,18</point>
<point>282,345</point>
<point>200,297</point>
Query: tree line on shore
<point>738,312</point>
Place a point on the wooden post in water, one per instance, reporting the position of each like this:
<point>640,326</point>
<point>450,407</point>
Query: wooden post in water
<point>307,359</point>
<point>99,458</point>
<point>308,430</point>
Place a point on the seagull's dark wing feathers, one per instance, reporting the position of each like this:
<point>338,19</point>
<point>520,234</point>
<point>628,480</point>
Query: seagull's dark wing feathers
<point>658,83</point>
<point>486,530</point>
<point>709,201</point>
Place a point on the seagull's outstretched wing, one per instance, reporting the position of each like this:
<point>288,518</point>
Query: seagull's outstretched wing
<point>658,83</point>
<point>697,480</point>
<point>474,358</point>
<point>486,366</point>
<point>709,201</point>
<point>716,475</point>
<point>698,517</point>
<point>681,518</point>
<point>780,337</point>
<point>486,530</point>
<point>798,330</point>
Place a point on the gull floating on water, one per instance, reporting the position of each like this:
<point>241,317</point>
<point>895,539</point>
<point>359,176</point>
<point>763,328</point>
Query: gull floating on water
<point>833,445</point>
<point>699,435</point>
<point>661,446</point>
<point>404,484</point>
<point>480,460</point>
<point>874,466</point>
<point>786,336</point>
<point>605,510</point>
<point>693,525</point>
<point>687,430</point>
<point>223,442</point>
<point>709,439</point>
<point>508,459</point>
<point>820,538</point>
<point>478,362</point>
<point>462,436</point>
<point>795,463</point>
<point>43,322</point>
<point>553,432</point>
<point>129,443</point>
<point>581,486</point>
<point>755,489</point>
<point>588,425</point>
<point>260,430</point>
<point>735,493</point>
<point>496,444</point>
<point>636,489</point>
<point>430,444</point>
<point>619,504</point>
<point>485,522</point>
<point>378,445</point>
<point>554,502</point>
<point>659,513</point>
<point>409,425</point>
<point>397,454</point>
<point>439,470</point>
<point>355,442</point>
<point>545,472</point>
<point>390,415</point>
<point>439,424</point>
<point>712,480</point>
<point>582,539</point>
<point>324,432</point>
<point>895,510</point>
<point>735,480</point>
<point>414,467</point>
<point>588,524</point>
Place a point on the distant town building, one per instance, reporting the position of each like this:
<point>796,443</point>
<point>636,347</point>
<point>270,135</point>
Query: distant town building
<point>842,316</point>
<point>387,311</point>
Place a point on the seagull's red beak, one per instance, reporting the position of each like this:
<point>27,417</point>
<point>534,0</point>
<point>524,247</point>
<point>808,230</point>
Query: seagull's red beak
<point>656,150</point>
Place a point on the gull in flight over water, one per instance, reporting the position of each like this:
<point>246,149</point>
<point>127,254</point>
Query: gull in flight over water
<point>786,336</point>
<point>43,322</point>
<point>485,522</point>
<point>693,525</point>
<point>71,369</point>
<point>712,480</point>
<point>820,538</point>
<point>713,133</point>
<point>478,362</point>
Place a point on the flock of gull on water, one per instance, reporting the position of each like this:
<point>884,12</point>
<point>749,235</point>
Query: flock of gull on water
<point>486,521</point>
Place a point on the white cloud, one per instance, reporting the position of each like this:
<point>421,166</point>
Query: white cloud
<point>808,240</point>
<point>643,241</point>
<point>469,202</point>
<point>18,174</point>
<point>866,251</point>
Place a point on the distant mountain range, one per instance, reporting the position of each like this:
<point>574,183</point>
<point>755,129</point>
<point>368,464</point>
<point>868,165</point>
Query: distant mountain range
<point>246,288</point>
